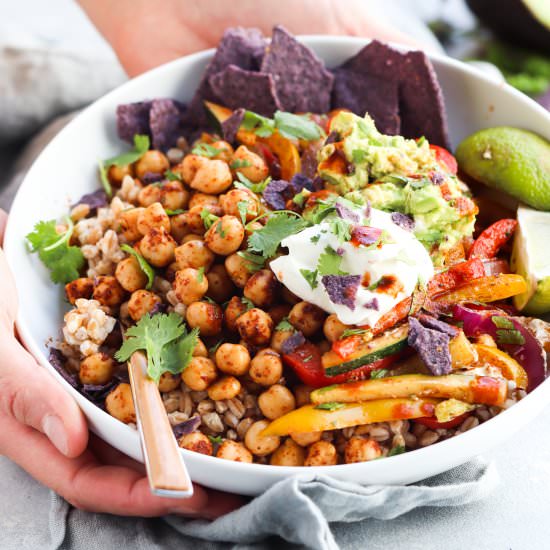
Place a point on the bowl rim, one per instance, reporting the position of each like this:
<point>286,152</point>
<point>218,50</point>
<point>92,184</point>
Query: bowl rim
<point>441,448</point>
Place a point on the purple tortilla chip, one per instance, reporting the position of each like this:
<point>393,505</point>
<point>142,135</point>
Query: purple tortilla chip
<point>432,347</point>
<point>342,289</point>
<point>403,221</point>
<point>437,178</point>
<point>309,160</point>
<point>303,84</point>
<point>436,324</point>
<point>186,427</point>
<point>368,210</point>
<point>372,304</point>
<point>292,342</point>
<point>158,308</point>
<point>345,213</point>
<point>231,126</point>
<point>277,193</point>
<point>151,177</point>
<point>132,119</point>
<point>254,91</point>
<point>57,361</point>
<point>300,182</point>
<point>333,137</point>
<point>95,200</point>
<point>165,121</point>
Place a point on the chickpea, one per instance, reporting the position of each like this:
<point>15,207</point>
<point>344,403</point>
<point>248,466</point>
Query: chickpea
<point>255,327</point>
<point>213,177</point>
<point>199,374</point>
<point>230,203</point>
<point>262,288</point>
<point>257,169</point>
<point>194,254</point>
<point>153,217</point>
<point>227,387</point>
<point>333,328</point>
<point>237,269</point>
<point>188,286</point>
<point>289,297</point>
<point>206,317</point>
<point>97,368</point>
<point>234,309</point>
<point>196,442</point>
<point>258,444</point>
<point>192,237</point>
<point>195,221</point>
<point>107,291</point>
<point>169,382</point>
<point>120,404</point>
<point>276,401</point>
<point>361,450</point>
<point>115,174</point>
<point>79,288</point>
<point>302,393</point>
<point>188,167</point>
<point>128,224</point>
<point>174,196</point>
<point>279,312</point>
<point>266,368</point>
<point>306,318</point>
<point>305,439</point>
<point>129,275</point>
<point>157,247</point>
<point>150,194</point>
<point>200,349</point>
<point>220,287</point>
<point>179,226</point>
<point>321,453</point>
<point>152,161</point>
<point>226,151</point>
<point>225,235</point>
<point>288,454</point>
<point>203,199</point>
<point>278,339</point>
<point>142,302</point>
<point>232,450</point>
<point>233,359</point>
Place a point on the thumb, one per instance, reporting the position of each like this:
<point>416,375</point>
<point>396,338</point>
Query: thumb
<point>3,222</point>
<point>31,396</point>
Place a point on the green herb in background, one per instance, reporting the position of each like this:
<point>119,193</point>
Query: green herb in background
<point>143,264</point>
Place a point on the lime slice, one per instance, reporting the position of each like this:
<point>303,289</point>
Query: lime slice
<point>530,259</point>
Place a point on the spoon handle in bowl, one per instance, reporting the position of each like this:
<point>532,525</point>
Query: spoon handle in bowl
<point>168,476</point>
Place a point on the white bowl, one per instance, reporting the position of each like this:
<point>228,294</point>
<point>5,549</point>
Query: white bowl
<point>67,169</point>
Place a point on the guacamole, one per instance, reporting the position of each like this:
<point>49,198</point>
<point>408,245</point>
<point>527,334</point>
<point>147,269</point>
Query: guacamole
<point>401,175</point>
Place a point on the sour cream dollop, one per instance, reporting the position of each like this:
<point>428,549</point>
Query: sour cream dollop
<point>389,272</point>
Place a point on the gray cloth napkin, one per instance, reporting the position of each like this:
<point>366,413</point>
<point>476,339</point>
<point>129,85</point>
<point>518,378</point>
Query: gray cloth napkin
<point>299,512</point>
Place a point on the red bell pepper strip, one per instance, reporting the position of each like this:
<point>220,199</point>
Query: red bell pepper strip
<point>496,266</point>
<point>456,275</point>
<point>445,158</point>
<point>493,239</point>
<point>432,423</point>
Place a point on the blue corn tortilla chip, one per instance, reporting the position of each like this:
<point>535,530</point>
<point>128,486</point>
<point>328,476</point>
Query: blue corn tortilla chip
<point>292,342</point>
<point>57,361</point>
<point>277,192</point>
<point>186,427</point>
<point>436,324</point>
<point>431,345</point>
<point>403,221</point>
<point>236,87</point>
<point>132,119</point>
<point>95,200</point>
<point>231,126</point>
<point>302,82</point>
<point>151,177</point>
<point>345,213</point>
<point>372,304</point>
<point>301,181</point>
<point>342,289</point>
<point>165,122</point>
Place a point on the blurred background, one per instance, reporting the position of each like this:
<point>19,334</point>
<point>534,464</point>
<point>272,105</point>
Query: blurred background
<point>53,61</point>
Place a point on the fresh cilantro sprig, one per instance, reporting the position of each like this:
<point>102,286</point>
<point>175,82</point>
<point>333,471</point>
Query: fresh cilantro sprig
<point>63,260</point>
<point>141,146</point>
<point>329,262</point>
<point>289,125</point>
<point>253,261</point>
<point>285,325</point>
<point>353,332</point>
<point>172,176</point>
<point>242,207</point>
<point>239,163</point>
<point>311,277</point>
<point>245,183</point>
<point>206,150</point>
<point>143,264</point>
<point>217,439</point>
<point>105,183</point>
<point>379,373</point>
<point>397,450</point>
<point>165,339</point>
<point>208,219</point>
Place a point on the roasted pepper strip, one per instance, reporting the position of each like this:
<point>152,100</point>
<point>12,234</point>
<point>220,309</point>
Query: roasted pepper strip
<point>288,154</point>
<point>310,419</point>
<point>492,239</point>
<point>471,389</point>
<point>510,368</point>
<point>456,275</point>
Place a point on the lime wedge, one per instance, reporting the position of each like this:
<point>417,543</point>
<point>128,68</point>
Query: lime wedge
<point>530,258</point>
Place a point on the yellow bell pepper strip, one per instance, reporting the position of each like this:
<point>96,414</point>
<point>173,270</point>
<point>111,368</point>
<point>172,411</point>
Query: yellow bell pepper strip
<point>309,418</point>
<point>289,157</point>
<point>472,389</point>
<point>463,352</point>
<point>448,410</point>
<point>510,368</point>
<point>486,289</point>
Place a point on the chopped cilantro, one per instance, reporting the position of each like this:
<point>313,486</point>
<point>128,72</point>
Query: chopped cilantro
<point>219,228</point>
<point>420,141</point>
<point>174,212</point>
<point>242,207</point>
<point>307,359</point>
<point>341,228</point>
<point>253,261</point>
<point>296,126</point>
<point>260,125</point>
<point>327,388</point>
<point>397,450</point>
<point>284,325</point>
<point>300,198</point>
<point>206,150</point>
<point>172,176</point>
<point>310,277</point>
<point>375,285</point>
<point>331,406</point>
<point>217,439</point>
<point>141,146</point>
<point>315,238</point>
<point>239,163</point>
<point>510,336</point>
<point>105,183</point>
<point>214,348</point>
<point>502,322</point>
<point>200,274</point>
<point>353,332</point>
<point>394,178</point>
<point>245,183</point>
<point>329,262</point>
<point>143,264</point>
<point>208,219</point>
<point>248,303</point>
<point>379,373</point>
<point>208,299</point>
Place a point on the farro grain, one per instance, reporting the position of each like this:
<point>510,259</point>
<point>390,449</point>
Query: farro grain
<point>418,429</point>
<point>230,419</point>
<point>410,440</point>
<point>231,434</point>
<point>469,423</point>
<point>236,407</point>
<point>198,396</point>
<point>205,406</point>
<point>243,425</point>
<point>213,421</point>
<point>429,437</point>
<point>221,407</point>
<point>176,417</point>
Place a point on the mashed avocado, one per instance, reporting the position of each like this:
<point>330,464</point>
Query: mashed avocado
<point>398,174</point>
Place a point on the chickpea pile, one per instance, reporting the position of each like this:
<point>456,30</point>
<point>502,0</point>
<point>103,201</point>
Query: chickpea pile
<point>201,276</point>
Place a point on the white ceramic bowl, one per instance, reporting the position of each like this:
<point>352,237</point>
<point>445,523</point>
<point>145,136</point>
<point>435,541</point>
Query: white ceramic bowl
<point>67,169</point>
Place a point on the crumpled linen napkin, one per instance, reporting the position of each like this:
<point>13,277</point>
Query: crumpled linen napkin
<point>300,512</point>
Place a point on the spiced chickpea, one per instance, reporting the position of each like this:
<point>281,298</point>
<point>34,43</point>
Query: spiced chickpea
<point>225,235</point>
<point>262,288</point>
<point>152,161</point>
<point>289,297</point>
<point>258,444</point>
<point>153,217</point>
<point>234,199</point>
<point>333,328</point>
<point>227,387</point>
<point>232,450</point>
<point>199,374</point>
<point>194,216</point>
<point>237,269</point>
<point>307,318</point>
<point>220,286</point>
<point>142,302</point>
<point>234,309</point>
<point>224,148</point>
<point>194,254</point>
<point>266,368</point>
<point>202,199</point>
<point>115,174</point>
<point>233,359</point>
<point>359,449</point>
<point>302,393</point>
<point>288,454</point>
<point>129,275</point>
<point>79,288</point>
<point>174,196</point>
<point>206,317</point>
<point>255,327</point>
<point>169,382</point>
<point>196,442</point>
<point>213,177</point>
<point>128,223</point>
<point>120,403</point>
<point>107,291</point>
<point>279,337</point>
<point>96,369</point>
<point>279,312</point>
<point>200,349</point>
<point>189,286</point>
<point>179,226</point>
<point>192,237</point>
<point>157,247</point>
<point>188,167</point>
<point>253,166</point>
<point>304,439</point>
<point>321,453</point>
<point>149,194</point>
<point>276,401</point>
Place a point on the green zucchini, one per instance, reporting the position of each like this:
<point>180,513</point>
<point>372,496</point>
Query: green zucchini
<point>217,114</point>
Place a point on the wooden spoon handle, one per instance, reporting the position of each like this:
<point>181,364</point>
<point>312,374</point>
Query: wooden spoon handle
<point>166,470</point>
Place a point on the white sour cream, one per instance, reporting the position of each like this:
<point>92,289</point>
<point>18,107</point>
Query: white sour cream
<point>401,259</point>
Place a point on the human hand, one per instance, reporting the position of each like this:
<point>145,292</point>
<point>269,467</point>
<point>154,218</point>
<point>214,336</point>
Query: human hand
<point>146,34</point>
<point>45,433</point>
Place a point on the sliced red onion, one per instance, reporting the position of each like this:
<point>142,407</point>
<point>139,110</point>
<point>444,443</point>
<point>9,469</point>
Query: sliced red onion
<point>186,427</point>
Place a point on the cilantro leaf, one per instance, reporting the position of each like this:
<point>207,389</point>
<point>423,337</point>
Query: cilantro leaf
<point>266,241</point>
<point>331,406</point>
<point>510,336</point>
<point>260,125</point>
<point>172,176</point>
<point>253,261</point>
<point>310,277</point>
<point>329,262</point>
<point>242,207</point>
<point>63,261</point>
<point>315,239</point>
<point>397,450</point>
<point>248,303</point>
<point>208,219</point>
<point>245,183</point>
<point>378,373</point>
<point>341,228</point>
<point>178,354</point>
<point>206,150</point>
<point>353,332</point>
<point>141,146</point>
<point>143,264</point>
<point>200,274</point>
<point>105,183</point>
<point>285,325</point>
<point>239,163</point>
<point>502,322</point>
<point>216,439</point>
<point>296,126</point>
<point>176,212</point>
